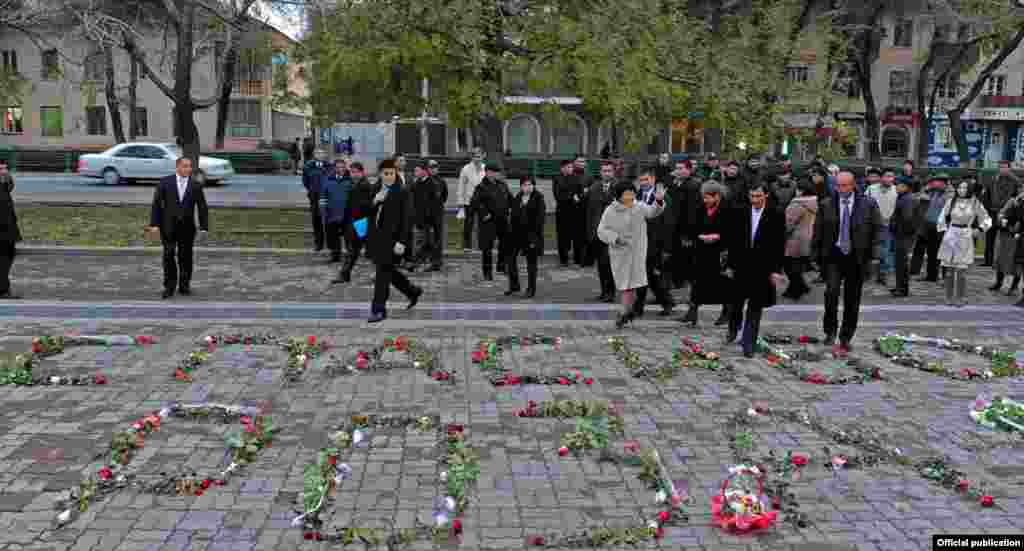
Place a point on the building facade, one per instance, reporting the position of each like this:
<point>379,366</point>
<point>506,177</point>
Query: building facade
<point>63,102</point>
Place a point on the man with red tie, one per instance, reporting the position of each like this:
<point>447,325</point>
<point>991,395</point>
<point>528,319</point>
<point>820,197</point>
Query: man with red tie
<point>175,202</point>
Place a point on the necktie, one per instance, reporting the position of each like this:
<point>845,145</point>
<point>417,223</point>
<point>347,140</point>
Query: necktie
<point>844,229</point>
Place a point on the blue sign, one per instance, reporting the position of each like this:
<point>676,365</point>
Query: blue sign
<point>325,136</point>
<point>941,148</point>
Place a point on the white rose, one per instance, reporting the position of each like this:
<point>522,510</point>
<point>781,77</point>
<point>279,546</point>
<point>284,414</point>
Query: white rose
<point>444,476</point>
<point>449,503</point>
<point>653,524</point>
<point>55,380</point>
<point>357,436</point>
<point>660,497</point>
<point>751,412</point>
<point>441,519</point>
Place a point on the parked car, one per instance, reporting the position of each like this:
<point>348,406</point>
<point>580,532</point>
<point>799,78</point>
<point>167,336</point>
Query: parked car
<point>148,161</point>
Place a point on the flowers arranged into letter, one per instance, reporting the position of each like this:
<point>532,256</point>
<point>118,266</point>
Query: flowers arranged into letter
<point>689,354</point>
<point>300,352</point>
<point>903,350</point>
<point>18,370</point>
<point>488,355</point>
<point>839,370</point>
<point>417,355</point>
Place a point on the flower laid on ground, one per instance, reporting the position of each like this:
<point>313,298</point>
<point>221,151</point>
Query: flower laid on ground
<point>741,506</point>
<point>1001,413</point>
<point>418,356</point>
<point>689,354</point>
<point>798,460</point>
<point>938,471</point>
<point>843,371</point>
<point>903,350</point>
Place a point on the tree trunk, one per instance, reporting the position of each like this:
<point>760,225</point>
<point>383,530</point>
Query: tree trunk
<point>113,104</point>
<point>958,137</point>
<point>923,115</point>
<point>184,108</point>
<point>133,102</point>
<point>228,82</point>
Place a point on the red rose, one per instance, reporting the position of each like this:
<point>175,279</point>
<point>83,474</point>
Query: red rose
<point>968,372</point>
<point>307,536</point>
<point>772,360</point>
<point>311,340</point>
<point>245,419</point>
<point>137,425</point>
<point>659,533</point>
<point>963,485</point>
<point>664,516</point>
<point>563,451</point>
<point>455,428</point>
<point>563,381</point>
<point>798,460</point>
<point>106,474</point>
<point>360,354</point>
<point>804,339</point>
<point>578,375</point>
<point>199,493</point>
<point>100,379</point>
<point>987,501</point>
<point>362,363</point>
<point>479,356</point>
<point>457,526</point>
<point>588,381</point>
<point>220,482</point>
<point>536,540</point>
<point>205,484</point>
<point>37,348</point>
<point>776,503</point>
<point>677,500</point>
<point>317,536</point>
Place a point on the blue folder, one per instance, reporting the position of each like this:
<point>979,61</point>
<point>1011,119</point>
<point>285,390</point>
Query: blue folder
<point>361,226</point>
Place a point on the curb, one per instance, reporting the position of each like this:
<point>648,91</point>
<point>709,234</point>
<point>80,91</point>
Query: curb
<point>53,250</point>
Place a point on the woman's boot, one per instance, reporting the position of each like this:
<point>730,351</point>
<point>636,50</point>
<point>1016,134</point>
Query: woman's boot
<point>1013,286</point>
<point>999,282</point>
<point>691,315</point>
<point>961,287</point>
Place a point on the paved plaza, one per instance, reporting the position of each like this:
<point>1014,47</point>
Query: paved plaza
<point>51,437</point>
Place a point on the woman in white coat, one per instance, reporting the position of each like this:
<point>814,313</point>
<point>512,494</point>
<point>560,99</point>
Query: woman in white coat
<point>623,227</point>
<point>962,219</point>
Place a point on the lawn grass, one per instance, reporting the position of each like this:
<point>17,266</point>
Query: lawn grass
<point>107,226</point>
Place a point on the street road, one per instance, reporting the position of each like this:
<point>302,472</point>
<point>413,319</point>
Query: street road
<point>243,190</point>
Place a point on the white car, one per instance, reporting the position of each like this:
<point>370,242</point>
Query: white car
<point>147,161</point>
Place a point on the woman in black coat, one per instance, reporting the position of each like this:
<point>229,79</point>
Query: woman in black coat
<point>490,203</point>
<point>710,286</point>
<point>9,232</point>
<point>525,236</point>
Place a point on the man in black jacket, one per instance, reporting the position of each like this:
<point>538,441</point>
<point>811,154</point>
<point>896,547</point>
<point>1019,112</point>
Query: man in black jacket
<point>428,199</point>
<point>312,176</point>
<point>388,229</point>
<point>686,202</point>
<point>660,231</point>
<point>9,232</point>
<point>360,206</point>
<point>568,191</point>
<point>599,196</point>
<point>491,204</point>
<point>903,229</point>
<point>175,202</point>
<point>846,232</point>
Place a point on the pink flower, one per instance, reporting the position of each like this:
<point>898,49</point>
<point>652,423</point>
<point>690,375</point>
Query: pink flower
<point>798,460</point>
<point>457,526</point>
<point>963,485</point>
<point>588,381</point>
<point>659,533</point>
<point>362,363</point>
<point>677,500</point>
<point>137,425</point>
<point>804,339</point>
<point>245,420</point>
<point>987,501</point>
<point>100,379</point>
<point>664,516</point>
<point>563,381</point>
<point>632,446</point>
<point>106,474</point>
<point>250,429</point>
<point>563,451</point>
<point>311,340</point>
<point>537,541</point>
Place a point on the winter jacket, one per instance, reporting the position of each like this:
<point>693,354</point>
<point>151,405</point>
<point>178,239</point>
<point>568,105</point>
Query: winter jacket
<point>624,230</point>
<point>313,175</point>
<point>800,215</point>
<point>998,192</point>
<point>902,223</point>
<point>334,198</point>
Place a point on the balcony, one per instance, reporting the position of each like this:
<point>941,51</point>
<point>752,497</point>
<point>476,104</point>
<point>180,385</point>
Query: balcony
<point>1002,101</point>
<point>251,88</point>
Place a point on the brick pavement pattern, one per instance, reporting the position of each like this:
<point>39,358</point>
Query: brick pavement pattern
<point>50,435</point>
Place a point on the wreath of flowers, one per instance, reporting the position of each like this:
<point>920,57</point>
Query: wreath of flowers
<point>18,370</point>
<point>256,433</point>
<point>490,350</point>
<point>300,352</point>
<point>595,425</point>
<point>897,348</point>
<point>875,451</point>
<point>741,506</point>
<point>321,478</point>
<point>689,354</point>
<point>419,356</point>
<point>797,362</point>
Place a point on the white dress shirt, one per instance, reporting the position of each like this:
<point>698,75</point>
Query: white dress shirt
<point>182,186</point>
<point>755,220</point>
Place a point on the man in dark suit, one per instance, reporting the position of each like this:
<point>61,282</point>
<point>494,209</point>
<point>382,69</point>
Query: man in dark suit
<point>568,191</point>
<point>389,229</point>
<point>9,232</point>
<point>313,174</point>
<point>755,245</point>
<point>175,202</point>
<point>660,231</point>
<point>846,233</point>
<point>599,195</point>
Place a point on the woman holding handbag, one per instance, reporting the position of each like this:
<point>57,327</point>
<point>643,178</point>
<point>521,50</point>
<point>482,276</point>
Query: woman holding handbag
<point>525,236</point>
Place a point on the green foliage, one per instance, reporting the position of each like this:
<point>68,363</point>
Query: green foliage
<point>13,88</point>
<point>16,370</point>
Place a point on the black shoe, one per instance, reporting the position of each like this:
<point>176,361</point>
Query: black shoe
<point>881,280</point>
<point>334,259</point>
<point>986,265</point>
<point>184,291</point>
<point>530,293</point>
<point>899,293</point>
<point>996,287</point>
<point>600,298</point>
<point>512,291</point>
<point>609,299</point>
<point>488,277</point>
<point>748,353</point>
<point>501,269</point>
<point>623,320</point>
<point>731,337</point>
<point>168,293</point>
<point>666,310</point>
<point>377,317</point>
<point>829,340</point>
<point>563,264</point>
<point>318,248</point>
<point>723,318</point>
<point>414,299</point>
<point>7,295</point>
<point>691,316</point>
<point>638,314</point>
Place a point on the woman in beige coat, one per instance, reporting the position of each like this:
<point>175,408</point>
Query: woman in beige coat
<point>623,227</point>
<point>800,215</point>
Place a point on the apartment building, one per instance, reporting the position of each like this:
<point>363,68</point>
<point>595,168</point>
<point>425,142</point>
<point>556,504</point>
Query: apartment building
<point>63,103</point>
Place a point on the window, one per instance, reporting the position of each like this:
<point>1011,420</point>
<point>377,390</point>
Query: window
<point>96,120</point>
<point>996,85</point>
<point>245,119</point>
<point>901,89</point>
<point>51,119</point>
<point>152,152</point>
<point>141,122</point>
<point>903,33</point>
<point>12,120</point>
<point>797,75</point>
<point>51,65</point>
<point>93,68</point>
<point>10,61</point>
<point>948,88</point>
<point>894,143</point>
<point>131,152</point>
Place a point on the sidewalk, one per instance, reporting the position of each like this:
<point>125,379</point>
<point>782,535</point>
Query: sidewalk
<point>304,277</point>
